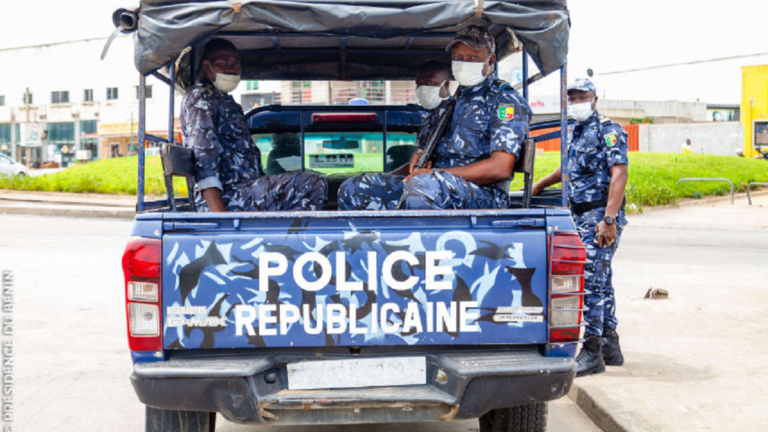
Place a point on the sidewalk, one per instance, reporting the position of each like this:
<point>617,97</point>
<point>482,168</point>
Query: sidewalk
<point>124,206</point>
<point>695,361</point>
<point>67,204</point>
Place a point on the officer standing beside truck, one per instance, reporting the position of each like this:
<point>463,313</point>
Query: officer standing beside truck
<point>477,155</point>
<point>597,174</point>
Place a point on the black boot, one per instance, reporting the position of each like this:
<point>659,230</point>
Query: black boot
<point>590,359</point>
<point>611,349</point>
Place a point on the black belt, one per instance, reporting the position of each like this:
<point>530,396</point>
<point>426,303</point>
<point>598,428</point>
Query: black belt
<point>581,208</point>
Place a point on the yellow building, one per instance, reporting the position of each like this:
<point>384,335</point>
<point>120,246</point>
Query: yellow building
<point>754,108</point>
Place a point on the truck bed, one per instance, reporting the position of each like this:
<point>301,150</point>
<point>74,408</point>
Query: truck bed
<point>255,280</point>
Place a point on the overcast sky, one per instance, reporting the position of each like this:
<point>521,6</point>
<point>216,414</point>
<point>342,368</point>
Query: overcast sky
<point>611,35</point>
<point>607,35</point>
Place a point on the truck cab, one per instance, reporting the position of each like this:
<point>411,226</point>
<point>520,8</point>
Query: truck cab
<point>348,317</point>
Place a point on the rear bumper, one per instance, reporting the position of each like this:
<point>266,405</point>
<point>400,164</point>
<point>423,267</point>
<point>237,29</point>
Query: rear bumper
<point>236,386</point>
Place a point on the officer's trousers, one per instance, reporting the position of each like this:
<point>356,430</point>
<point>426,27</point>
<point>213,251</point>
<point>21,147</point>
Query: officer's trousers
<point>601,303</point>
<point>435,190</point>
<point>281,192</point>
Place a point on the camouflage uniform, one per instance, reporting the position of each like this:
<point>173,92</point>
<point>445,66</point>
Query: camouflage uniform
<point>490,116</point>
<point>214,126</point>
<point>382,191</point>
<point>596,145</point>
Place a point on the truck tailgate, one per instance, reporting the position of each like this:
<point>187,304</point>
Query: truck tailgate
<point>380,279</point>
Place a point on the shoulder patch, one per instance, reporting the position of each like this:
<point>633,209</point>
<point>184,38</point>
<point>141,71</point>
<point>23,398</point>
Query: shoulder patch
<point>503,84</point>
<point>206,91</point>
<point>611,139</point>
<point>506,112</point>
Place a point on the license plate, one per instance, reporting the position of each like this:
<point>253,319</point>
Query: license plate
<point>357,373</point>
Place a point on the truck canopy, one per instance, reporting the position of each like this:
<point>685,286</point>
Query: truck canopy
<point>350,39</point>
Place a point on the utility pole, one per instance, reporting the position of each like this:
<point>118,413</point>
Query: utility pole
<point>27,150</point>
<point>132,148</point>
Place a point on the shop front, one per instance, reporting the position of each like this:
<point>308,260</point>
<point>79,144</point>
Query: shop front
<point>121,139</point>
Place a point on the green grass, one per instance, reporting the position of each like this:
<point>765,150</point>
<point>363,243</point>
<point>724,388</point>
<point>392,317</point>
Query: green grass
<point>652,176</point>
<point>107,176</point>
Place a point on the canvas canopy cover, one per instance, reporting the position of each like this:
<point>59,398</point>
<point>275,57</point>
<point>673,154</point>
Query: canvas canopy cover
<point>339,39</point>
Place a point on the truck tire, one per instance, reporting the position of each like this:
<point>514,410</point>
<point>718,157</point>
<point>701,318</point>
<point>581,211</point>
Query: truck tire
<point>525,418</point>
<point>160,420</point>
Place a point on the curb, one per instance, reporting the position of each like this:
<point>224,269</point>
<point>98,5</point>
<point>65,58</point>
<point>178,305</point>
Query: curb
<point>52,207</point>
<point>690,202</point>
<point>44,201</point>
<point>74,213</point>
<point>607,413</point>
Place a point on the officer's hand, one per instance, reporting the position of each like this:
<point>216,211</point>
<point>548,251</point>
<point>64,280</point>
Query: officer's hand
<point>417,172</point>
<point>415,158</point>
<point>606,234</point>
<point>536,189</point>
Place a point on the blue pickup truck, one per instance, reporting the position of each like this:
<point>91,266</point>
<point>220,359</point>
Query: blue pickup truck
<point>331,317</point>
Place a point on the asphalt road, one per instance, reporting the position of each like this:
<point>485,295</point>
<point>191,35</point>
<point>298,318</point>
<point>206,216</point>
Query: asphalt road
<point>72,362</point>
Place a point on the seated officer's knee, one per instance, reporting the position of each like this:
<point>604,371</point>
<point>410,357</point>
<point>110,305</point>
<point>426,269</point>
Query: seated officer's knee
<point>316,187</point>
<point>424,192</point>
<point>348,195</point>
<point>312,180</point>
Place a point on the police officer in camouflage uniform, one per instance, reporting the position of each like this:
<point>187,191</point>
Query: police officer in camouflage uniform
<point>477,155</point>
<point>432,91</point>
<point>597,175</point>
<point>228,169</point>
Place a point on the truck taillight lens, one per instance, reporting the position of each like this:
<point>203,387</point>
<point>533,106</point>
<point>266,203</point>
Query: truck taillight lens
<point>143,298</point>
<point>143,291</point>
<point>144,319</point>
<point>568,260</point>
<point>566,284</point>
<point>565,311</point>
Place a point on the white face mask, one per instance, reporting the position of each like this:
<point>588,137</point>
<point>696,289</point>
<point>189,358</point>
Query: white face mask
<point>429,96</point>
<point>581,112</point>
<point>468,74</point>
<point>226,83</point>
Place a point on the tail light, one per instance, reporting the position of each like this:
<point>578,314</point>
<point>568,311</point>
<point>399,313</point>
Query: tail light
<point>568,258</point>
<point>345,118</point>
<point>141,266</point>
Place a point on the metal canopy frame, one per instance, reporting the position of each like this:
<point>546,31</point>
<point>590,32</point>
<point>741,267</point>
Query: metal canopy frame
<point>170,80</point>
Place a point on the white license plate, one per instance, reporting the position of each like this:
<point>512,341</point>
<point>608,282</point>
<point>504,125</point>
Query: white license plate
<point>357,373</point>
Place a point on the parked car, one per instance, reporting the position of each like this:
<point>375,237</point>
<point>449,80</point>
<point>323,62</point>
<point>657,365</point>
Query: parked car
<point>10,167</point>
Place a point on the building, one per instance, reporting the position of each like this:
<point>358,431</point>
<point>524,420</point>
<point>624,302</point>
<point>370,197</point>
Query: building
<point>78,107</point>
<point>754,107</point>
<point>81,108</point>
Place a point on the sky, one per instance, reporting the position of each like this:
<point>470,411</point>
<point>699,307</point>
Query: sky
<point>613,35</point>
<point>625,33</point>
<point>55,21</point>
<point>619,35</point>
<point>606,36</point>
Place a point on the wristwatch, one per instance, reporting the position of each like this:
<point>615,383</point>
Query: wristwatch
<point>609,220</point>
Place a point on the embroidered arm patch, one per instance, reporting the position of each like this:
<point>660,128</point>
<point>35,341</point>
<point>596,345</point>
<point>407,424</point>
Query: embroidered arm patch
<point>506,112</point>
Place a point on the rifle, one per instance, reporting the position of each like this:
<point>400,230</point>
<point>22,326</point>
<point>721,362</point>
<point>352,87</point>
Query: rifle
<point>434,138</point>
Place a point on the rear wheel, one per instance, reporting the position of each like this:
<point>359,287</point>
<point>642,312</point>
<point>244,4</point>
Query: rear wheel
<point>525,418</point>
<point>160,420</point>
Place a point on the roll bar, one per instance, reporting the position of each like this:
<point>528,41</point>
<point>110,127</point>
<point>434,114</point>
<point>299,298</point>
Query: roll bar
<point>144,136</point>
